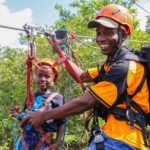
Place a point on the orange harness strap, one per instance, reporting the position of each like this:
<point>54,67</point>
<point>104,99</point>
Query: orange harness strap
<point>47,137</point>
<point>44,138</point>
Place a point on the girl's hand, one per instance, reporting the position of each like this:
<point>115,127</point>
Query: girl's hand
<point>15,110</point>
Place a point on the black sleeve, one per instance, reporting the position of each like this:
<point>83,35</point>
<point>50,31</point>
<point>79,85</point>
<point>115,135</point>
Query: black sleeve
<point>112,85</point>
<point>118,76</point>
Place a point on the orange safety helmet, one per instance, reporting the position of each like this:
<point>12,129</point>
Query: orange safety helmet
<point>115,13</point>
<point>49,62</point>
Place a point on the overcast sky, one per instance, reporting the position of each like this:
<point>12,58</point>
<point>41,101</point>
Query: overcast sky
<point>16,13</point>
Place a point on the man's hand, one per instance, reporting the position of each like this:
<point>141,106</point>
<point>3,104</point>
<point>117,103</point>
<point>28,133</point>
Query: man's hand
<point>35,119</point>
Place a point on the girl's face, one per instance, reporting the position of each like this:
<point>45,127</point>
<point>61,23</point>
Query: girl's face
<point>107,39</point>
<point>45,78</point>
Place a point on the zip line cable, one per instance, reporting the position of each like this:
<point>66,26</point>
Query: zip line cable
<point>142,8</point>
<point>80,36</point>
<point>13,28</point>
<point>138,41</point>
<point>87,44</point>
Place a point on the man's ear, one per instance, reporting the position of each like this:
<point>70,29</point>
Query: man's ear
<point>124,35</point>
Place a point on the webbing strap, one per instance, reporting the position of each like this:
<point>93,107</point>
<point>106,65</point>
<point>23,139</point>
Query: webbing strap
<point>100,146</point>
<point>132,103</point>
<point>67,64</point>
<point>44,138</point>
<point>121,114</point>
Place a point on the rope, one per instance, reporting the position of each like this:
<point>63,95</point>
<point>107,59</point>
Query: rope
<point>84,36</point>
<point>138,41</point>
<point>68,97</point>
<point>67,64</point>
<point>74,54</point>
<point>87,44</point>
<point>30,87</point>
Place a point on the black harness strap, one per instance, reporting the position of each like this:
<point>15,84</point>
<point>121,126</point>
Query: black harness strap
<point>141,84</point>
<point>137,118</point>
<point>95,131</point>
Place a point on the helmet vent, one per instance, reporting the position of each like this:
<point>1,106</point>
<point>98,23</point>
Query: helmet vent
<point>115,11</point>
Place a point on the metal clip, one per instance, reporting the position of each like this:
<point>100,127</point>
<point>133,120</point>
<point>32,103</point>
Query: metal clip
<point>48,32</point>
<point>129,115</point>
<point>30,30</point>
<point>97,136</point>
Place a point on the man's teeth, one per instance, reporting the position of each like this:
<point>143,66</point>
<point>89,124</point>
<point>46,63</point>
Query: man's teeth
<point>104,46</point>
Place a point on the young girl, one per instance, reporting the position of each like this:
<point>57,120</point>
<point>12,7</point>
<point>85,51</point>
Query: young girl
<point>41,138</point>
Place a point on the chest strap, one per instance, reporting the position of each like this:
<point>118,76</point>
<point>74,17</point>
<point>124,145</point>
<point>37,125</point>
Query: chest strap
<point>126,115</point>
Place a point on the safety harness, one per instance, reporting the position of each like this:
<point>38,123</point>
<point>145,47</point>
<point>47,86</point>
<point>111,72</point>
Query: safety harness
<point>135,118</point>
<point>33,59</point>
<point>96,133</point>
<point>63,59</point>
<point>43,137</point>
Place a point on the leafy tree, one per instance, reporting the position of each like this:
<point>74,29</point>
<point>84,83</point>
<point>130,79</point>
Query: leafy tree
<point>77,21</point>
<point>12,89</point>
<point>13,74</point>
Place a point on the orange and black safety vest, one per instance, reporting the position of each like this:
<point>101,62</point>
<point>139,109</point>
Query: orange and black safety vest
<point>120,84</point>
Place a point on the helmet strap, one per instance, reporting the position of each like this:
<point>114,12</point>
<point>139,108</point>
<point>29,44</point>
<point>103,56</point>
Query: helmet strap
<point>121,40</point>
<point>122,36</point>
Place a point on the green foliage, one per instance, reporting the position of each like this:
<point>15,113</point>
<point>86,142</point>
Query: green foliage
<point>139,39</point>
<point>77,22</point>
<point>12,71</point>
<point>13,68</point>
<point>12,90</point>
<point>64,14</point>
<point>73,132</point>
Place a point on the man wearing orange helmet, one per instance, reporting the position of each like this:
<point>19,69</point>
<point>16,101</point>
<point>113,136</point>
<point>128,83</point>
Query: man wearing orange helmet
<point>118,93</point>
<point>41,138</point>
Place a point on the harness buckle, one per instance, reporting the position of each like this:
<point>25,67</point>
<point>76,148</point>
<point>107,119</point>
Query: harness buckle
<point>98,139</point>
<point>129,115</point>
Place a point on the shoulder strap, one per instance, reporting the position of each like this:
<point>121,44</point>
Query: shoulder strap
<point>141,84</point>
<point>130,102</point>
<point>134,104</point>
<point>50,97</point>
<point>129,54</point>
